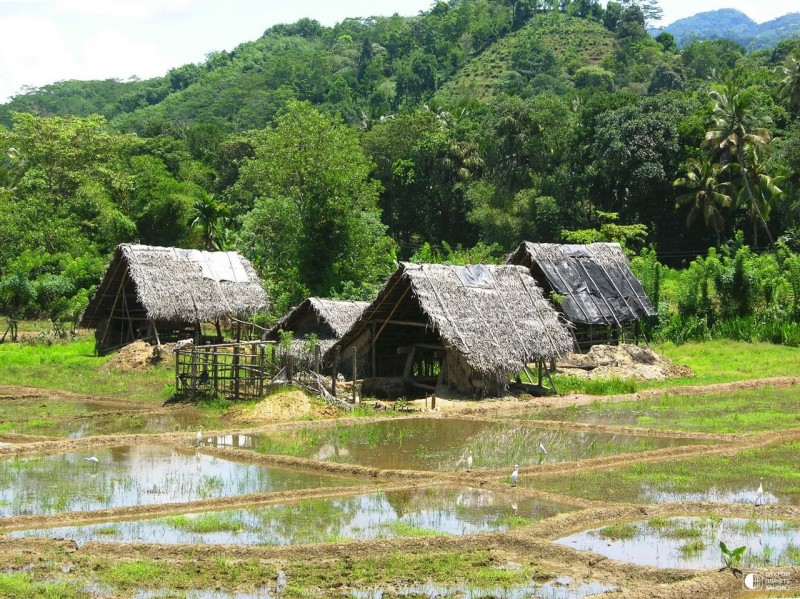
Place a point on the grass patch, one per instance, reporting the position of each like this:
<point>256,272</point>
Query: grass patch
<point>22,585</point>
<point>748,410</point>
<point>73,367</point>
<point>692,548</point>
<point>206,523</point>
<point>403,529</point>
<point>622,531</point>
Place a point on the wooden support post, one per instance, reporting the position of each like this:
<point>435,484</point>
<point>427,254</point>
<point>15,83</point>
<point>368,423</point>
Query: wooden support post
<point>355,372</point>
<point>373,350</point>
<point>433,401</point>
<point>214,362</point>
<point>335,372</point>
<point>540,366</point>
<point>177,371</point>
<point>236,371</point>
<point>194,369</point>
<point>289,366</point>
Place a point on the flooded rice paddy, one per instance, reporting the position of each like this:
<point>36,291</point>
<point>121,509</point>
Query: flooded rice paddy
<point>714,478</point>
<point>694,542</point>
<point>443,445</point>
<point>76,419</point>
<point>136,475</point>
<point>432,511</point>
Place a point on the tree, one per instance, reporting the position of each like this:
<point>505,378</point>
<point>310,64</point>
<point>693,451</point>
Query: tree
<point>737,126</point>
<point>707,195</point>
<point>316,224</point>
<point>790,85</point>
<point>209,214</point>
<point>762,189</point>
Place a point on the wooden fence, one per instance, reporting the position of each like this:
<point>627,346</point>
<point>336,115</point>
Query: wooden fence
<point>233,370</point>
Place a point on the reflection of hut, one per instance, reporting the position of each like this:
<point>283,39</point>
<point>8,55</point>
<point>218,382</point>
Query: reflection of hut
<point>324,320</point>
<point>592,285</point>
<point>161,294</point>
<point>470,328</point>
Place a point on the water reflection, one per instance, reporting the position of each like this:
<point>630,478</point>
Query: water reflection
<point>443,445</point>
<point>694,542</point>
<point>456,511</point>
<point>134,475</point>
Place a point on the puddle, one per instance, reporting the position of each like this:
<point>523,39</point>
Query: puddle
<point>75,419</point>
<point>454,511</point>
<point>262,593</point>
<point>134,475</point>
<point>443,445</point>
<point>563,587</point>
<point>693,542</point>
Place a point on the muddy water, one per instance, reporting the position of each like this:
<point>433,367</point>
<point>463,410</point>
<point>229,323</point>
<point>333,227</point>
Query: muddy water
<point>455,511</point>
<point>443,445</point>
<point>134,475</point>
<point>694,542</point>
<point>75,419</point>
<point>562,588</point>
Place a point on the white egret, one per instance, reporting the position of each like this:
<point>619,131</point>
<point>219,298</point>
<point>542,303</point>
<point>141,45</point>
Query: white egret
<point>469,462</point>
<point>515,475</point>
<point>280,584</point>
<point>542,450</point>
<point>199,436</point>
<point>760,491</point>
<point>93,460</point>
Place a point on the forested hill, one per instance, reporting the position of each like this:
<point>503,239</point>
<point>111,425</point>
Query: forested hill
<point>735,26</point>
<point>326,153</point>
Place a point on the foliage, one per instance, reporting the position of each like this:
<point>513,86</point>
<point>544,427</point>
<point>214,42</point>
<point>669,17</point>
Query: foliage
<point>731,557</point>
<point>315,220</point>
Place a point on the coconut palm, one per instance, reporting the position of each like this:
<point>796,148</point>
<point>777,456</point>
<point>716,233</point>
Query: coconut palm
<point>736,126</point>
<point>764,189</point>
<point>790,85</point>
<point>209,215</point>
<point>707,195</point>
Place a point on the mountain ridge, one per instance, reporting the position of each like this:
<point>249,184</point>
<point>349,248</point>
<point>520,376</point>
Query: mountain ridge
<point>734,25</point>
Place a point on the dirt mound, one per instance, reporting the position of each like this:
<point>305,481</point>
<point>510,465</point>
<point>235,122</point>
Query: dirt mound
<point>281,406</point>
<point>624,362</point>
<point>138,356</point>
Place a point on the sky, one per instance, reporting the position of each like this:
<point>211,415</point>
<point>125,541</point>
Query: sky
<point>44,41</point>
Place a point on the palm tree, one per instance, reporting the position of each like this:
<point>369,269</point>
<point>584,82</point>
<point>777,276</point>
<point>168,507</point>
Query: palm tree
<point>707,196</point>
<point>737,126</point>
<point>764,189</point>
<point>209,215</point>
<point>790,86</point>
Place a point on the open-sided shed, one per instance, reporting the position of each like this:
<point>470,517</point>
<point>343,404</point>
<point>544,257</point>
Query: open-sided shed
<point>592,285</point>
<point>324,319</point>
<point>472,328</point>
<point>160,293</point>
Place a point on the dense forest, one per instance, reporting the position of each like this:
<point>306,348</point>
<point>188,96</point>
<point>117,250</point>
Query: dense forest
<point>326,154</point>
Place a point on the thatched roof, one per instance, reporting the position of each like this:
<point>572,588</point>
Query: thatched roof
<point>327,319</point>
<point>178,285</point>
<point>595,281</point>
<point>494,316</point>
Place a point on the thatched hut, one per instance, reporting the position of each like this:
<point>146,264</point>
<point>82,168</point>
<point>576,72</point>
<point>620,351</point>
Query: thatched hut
<point>470,328</point>
<point>160,294</point>
<point>324,320</point>
<point>592,285</point>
